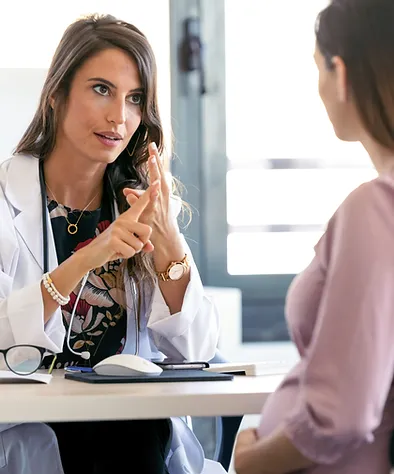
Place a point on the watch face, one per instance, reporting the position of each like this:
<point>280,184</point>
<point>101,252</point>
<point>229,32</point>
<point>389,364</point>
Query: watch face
<point>176,272</point>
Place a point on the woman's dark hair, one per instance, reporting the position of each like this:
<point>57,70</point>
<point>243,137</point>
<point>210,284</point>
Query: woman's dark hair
<point>361,32</point>
<point>82,40</point>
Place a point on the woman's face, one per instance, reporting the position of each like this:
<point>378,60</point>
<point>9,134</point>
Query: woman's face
<point>103,108</point>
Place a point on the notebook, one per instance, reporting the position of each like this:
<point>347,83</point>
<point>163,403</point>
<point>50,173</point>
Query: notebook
<point>6,376</point>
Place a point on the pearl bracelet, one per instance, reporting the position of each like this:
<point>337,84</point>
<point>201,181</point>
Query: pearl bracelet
<point>52,290</point>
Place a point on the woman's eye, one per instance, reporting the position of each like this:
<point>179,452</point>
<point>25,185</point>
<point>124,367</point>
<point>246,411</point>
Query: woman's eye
<point>135,99</point>
<point>101,89</point>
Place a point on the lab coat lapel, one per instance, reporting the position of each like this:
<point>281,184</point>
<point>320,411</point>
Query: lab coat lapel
<point>23,191</point>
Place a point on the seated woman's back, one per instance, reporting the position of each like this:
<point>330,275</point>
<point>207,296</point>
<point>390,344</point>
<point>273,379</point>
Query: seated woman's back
<point>334,413</point>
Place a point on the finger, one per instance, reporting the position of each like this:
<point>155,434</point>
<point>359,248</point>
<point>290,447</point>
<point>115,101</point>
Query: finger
<point>149,210</point>
<point>152,148</point>
<point>251,433</point>
<point>148,197</point>
<point>123,250</point>
<point>136,192</point>
<point>165,186</point>
<point>247,436</point>
<point>131,199</point>
<point>142,231</point>
<point>133,241</point>
<point>132,195</point>
<point>148,247</point>
<point>154,151</point>
<point>160,166</point>
<point>153,167</point>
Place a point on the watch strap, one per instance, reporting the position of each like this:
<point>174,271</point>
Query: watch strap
<point>165,276</point>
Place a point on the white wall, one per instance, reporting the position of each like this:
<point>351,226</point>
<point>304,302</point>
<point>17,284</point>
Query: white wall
<point>19,93</point>
<point>31,35</point>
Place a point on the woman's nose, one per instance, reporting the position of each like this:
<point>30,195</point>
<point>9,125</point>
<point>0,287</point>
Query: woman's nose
<point>117,112</point>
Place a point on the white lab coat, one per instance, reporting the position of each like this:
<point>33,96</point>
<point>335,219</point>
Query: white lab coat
<point>192,333</point>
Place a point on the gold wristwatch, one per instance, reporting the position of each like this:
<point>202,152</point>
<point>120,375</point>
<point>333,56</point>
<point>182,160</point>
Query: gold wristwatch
<point>175,270</point>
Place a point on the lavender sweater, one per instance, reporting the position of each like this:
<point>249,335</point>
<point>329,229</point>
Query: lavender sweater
<point>337,404</point>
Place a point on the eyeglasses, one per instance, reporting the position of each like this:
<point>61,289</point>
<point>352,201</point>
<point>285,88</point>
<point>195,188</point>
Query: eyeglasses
<point>24,359</point>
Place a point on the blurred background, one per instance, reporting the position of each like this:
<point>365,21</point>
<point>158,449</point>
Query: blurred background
<point>251,141</point>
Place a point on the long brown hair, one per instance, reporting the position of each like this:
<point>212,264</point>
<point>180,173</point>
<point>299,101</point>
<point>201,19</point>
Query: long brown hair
<point>361,32</point>
<point>82,40</point>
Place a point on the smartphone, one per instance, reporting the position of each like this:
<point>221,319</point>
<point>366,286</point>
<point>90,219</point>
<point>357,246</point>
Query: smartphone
<point>182,365</point>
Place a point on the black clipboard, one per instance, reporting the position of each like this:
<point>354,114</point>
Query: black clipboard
<point>165,376</point>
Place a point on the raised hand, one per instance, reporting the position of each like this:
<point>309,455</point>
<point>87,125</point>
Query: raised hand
<point>157,213</point>
<point>126,236</point>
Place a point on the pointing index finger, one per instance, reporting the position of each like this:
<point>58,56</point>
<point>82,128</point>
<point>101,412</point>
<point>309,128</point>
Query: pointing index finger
<point>149,196</point>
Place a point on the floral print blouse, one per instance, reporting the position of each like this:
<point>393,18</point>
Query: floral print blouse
<point>99,324</point>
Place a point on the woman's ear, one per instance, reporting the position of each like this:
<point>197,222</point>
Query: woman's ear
<point>52,102</point>
<point>341,79</point>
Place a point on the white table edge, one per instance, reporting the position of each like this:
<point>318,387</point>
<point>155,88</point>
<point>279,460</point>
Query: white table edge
<point>83,402</point>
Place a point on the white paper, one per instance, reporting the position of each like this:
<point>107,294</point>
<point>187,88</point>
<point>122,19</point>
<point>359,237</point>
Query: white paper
<point>6,376</point>
<point>254,368</point>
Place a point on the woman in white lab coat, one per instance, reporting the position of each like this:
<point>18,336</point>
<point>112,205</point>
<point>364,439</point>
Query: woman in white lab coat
<point>85,195</point>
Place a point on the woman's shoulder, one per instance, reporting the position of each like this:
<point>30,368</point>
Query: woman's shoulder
<point>374,195</point>
<point>18,163</point>
<point>4,166</point>
<point>364,218</point>
<point>4,169</point>
<point>368,207</point>
<point>17,172</point>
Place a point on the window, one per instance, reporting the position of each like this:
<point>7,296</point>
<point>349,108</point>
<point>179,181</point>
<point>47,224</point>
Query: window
<point>265,193</point>
<point>287,170</point>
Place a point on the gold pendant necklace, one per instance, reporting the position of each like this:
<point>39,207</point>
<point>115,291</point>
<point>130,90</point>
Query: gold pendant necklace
<point>72,229</point>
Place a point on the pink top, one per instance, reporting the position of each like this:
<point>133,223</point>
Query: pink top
<point>337,404</point>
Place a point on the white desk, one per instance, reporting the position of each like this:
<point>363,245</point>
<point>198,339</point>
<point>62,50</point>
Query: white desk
<point>66,400</point>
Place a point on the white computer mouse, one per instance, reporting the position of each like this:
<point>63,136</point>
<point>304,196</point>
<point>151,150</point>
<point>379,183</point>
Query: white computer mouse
<point>126,364</point>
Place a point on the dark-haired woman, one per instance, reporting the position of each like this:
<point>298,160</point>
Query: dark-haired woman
<point>89,168</point>
<point>334,412</point>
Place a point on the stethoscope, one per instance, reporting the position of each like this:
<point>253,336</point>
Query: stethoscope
<point>85,354</point>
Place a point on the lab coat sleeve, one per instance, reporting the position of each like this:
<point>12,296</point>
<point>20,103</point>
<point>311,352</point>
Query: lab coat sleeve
<point>22,317</point>
<point>191,334</point>
<point>22,310</point>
